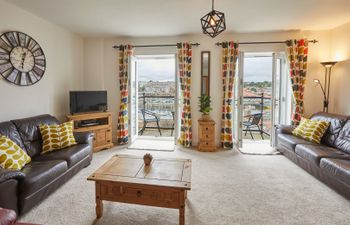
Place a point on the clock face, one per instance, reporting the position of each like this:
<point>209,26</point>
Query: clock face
<point>22,61</point>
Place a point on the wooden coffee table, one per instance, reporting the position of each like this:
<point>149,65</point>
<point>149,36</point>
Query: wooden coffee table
<point>126,179</point>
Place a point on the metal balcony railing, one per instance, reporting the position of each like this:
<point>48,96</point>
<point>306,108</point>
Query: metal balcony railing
<point>253,105</point>
<point>156,112</point>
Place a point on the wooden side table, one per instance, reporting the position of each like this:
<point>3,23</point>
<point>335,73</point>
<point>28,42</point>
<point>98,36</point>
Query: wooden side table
<point>206,132</point>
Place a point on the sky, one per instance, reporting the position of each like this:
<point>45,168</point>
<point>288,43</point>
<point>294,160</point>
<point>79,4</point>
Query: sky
<point>255,69</point>
<point>156,69</point>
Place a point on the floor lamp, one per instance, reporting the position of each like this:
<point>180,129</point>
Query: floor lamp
<point>327,81</point>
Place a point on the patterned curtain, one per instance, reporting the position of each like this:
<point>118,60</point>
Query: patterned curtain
<point>184,54</point>
<point>297,51</point>
<point>125,51</point>
<point>229,60</point>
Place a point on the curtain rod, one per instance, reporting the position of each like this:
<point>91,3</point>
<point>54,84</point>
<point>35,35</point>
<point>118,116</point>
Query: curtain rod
<point>263,42</point>
<point>155,46</point>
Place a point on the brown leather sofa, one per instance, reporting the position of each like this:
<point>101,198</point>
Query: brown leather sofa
<point>22,190</point>
<point>328,161</point>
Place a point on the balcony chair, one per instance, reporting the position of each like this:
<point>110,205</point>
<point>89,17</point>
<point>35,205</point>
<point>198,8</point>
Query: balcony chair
<point>149,117</point>
<point>253,122</point>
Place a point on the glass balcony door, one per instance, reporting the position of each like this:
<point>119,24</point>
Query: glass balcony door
<point>133,100</point>
<point>262,97</point>
<point>237,104</point>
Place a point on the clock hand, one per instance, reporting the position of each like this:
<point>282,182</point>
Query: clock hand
<point>23,58</point>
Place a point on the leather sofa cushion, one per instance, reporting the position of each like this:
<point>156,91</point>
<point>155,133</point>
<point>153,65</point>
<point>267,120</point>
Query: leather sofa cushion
<point>314,153</point>
<point>343,140</point>
<point>289,141</point>
<point>39,174</point>
<point>336,124</point>
<point>28,129</point>
<point>9,130</point>
<point>71,155</point>
<point>340,168</point>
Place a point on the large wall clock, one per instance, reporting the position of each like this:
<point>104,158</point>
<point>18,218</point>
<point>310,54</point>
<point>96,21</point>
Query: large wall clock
<point>22,61</point>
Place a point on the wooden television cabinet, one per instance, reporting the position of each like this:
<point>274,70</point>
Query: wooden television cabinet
<point>100,123</point>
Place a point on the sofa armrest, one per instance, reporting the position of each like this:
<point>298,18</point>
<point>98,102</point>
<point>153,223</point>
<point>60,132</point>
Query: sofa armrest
<point>284,129</point>
<point>10,174</point>
<point>84,137</point>
<point>7,216</point>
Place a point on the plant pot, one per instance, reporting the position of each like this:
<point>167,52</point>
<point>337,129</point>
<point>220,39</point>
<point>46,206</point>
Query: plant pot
<point>205,117</point>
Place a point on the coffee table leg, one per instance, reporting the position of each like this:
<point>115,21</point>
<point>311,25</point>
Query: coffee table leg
<point>182,208</point>
<point>99,203</point>
<point>99,208</point>
<point>182,215</point>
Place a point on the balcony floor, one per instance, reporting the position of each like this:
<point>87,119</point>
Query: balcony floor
<point>155,133</point>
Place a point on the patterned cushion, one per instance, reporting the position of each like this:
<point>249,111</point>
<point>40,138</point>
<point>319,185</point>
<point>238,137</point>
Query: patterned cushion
<point>11,155</point>
<point>311,130</point>
<point>56,137</point>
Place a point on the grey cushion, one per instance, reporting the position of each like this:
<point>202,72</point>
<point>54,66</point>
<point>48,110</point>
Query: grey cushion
<point>71,155</point>
<point>28,128</point>
<point>343,140</point>
<point>336,124</point>
<point>289,141</point>
<point>314,153</point>
<point>9,130</point>
<point>339,168</point>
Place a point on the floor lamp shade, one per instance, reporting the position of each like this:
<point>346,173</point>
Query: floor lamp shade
<point>327,81</point>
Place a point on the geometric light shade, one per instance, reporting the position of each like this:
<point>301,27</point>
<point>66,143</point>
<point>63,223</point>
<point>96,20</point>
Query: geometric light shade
<point>213,23</point>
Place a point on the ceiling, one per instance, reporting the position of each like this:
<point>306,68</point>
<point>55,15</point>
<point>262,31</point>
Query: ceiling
<point>177,17</point>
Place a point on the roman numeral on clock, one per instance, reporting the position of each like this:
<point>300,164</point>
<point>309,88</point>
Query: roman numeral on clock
<point>39,72</point>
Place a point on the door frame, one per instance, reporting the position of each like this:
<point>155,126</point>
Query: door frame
<point>176,96</point>
<point>237,131</point>
<point>133,130</point>
<point>276,108</point>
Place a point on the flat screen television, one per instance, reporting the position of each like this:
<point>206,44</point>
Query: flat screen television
<point>87,101</point>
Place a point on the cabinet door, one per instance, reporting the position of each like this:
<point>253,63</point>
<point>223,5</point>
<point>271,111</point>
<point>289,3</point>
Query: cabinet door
<point>100,137</point>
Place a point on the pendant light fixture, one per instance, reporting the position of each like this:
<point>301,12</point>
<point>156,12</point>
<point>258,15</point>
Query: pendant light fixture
<point>213,23</point>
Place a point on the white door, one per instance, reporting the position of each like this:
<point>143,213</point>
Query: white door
<point>133,100</point>
<point>178,105</point>
<point>280,94</point>
<point>238,103</point>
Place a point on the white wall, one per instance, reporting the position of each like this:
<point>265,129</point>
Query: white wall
<point>340,83</point>
<point>64,57</point>
<point>103,74</point>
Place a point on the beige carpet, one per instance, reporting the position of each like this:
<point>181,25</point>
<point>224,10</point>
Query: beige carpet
<point>228,188</point>
<point>251,147</point>
<point>153,144</point>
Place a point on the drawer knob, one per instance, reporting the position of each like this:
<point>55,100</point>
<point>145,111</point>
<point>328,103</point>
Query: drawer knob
<point>139,193</point>
<point>207,128</point>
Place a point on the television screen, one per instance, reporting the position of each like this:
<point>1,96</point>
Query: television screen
<point>88,101</point>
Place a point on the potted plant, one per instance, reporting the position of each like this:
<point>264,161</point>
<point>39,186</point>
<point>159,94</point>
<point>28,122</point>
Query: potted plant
<point>204,106</point>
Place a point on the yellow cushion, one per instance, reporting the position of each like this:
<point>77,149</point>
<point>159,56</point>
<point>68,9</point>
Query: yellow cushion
<point>11,155</point>
<point>311,130</point>
<point>57,137</point>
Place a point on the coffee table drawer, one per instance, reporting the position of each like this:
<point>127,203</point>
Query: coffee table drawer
<point>144,196</point>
